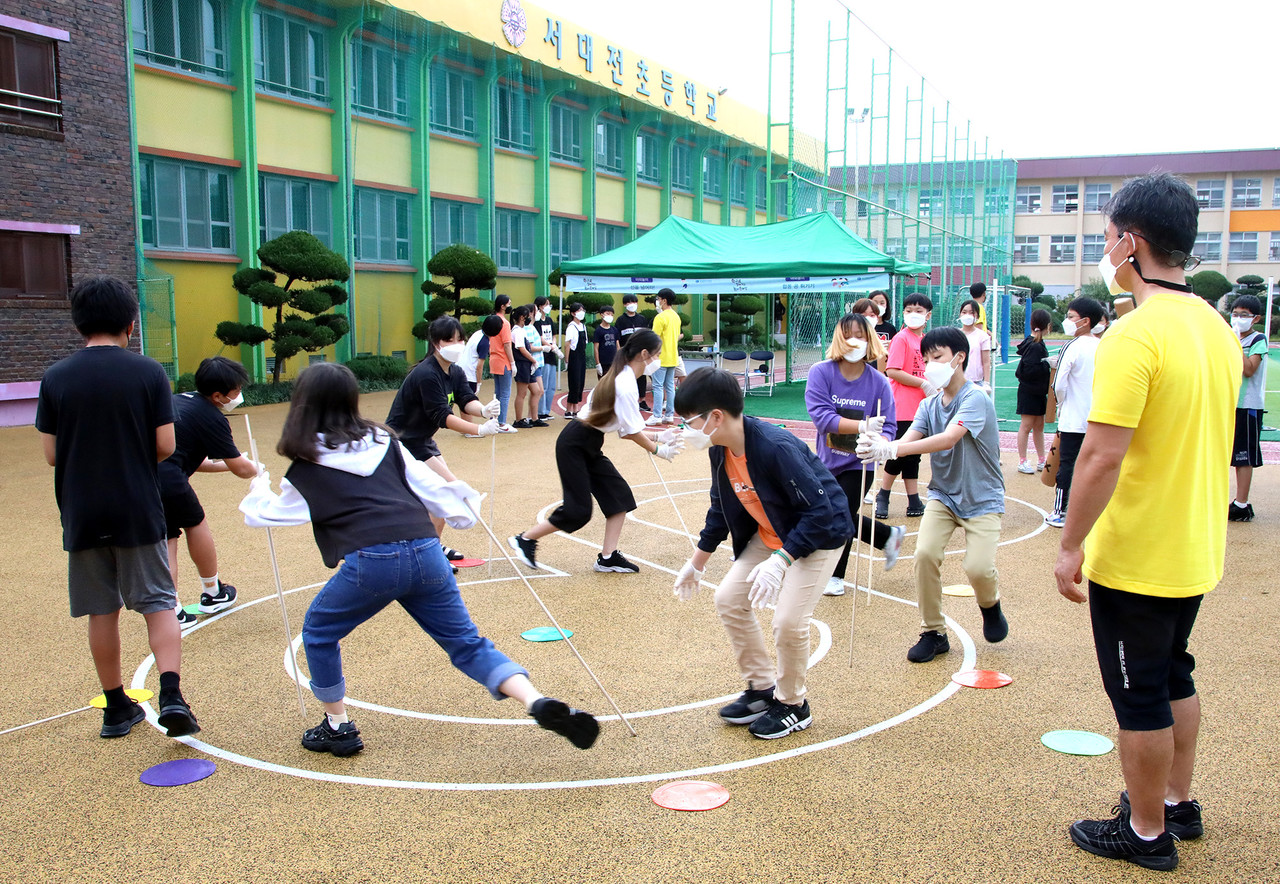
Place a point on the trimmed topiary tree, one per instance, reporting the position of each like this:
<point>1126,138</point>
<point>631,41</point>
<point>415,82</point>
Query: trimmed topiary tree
<point>1210,285</point>
<point>1251,284</point>
<point>299,257</point>
<point>466,268</point>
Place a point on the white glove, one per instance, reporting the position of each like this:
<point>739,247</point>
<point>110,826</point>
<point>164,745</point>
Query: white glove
<point>668,451</point>
<point>489,427</point>
<point>261,483</point>
<point>986,388</point>
<point>688,582</point>
<point>669,435</point>
<point>766,581</point>
<point>928,388</point>
<point>874,425</point>
<point>875,449</point>
<point>490,411</point>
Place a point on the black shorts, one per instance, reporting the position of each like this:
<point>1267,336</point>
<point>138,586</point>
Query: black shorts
<point>907,467</point>
<point>182,509</point>
<point>524,372</point>
<point>1246,450</point>
<point>1141,642</point>
<point>585,473</point>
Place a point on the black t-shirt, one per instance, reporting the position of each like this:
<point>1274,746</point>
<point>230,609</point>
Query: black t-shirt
<point>885,332</point>
<point>607,338</point>
<point>104,405</point>
<point>425,401</point>
<point>627,323</point>
<point>201,431</point>
<point>547,329</point>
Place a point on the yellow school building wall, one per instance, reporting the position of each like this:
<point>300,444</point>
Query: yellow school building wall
<point>382,154</point>
<point>292,137</point>
<point>513,179</point>
<point>682,205</point>
<point>180,115</point>
<point>737,216</point>
<point>202,297</point>
<point>711,211</point>
<point>455,168</point>
<point>648,206</point>
<point>521,290</point>
<point>610,199</point>
<point>566,191</point>
<point>384,315</point>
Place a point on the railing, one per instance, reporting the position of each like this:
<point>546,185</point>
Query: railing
<point>8,99</point>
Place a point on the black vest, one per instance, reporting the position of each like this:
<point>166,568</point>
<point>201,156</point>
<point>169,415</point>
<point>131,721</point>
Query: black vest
<point>350,512</point>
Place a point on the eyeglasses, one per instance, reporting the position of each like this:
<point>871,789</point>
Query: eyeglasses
<point>1188,262</point>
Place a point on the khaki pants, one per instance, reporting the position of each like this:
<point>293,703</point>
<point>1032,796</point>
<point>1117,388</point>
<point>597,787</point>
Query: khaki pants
<point>801,589</point>
<point>981,534</point>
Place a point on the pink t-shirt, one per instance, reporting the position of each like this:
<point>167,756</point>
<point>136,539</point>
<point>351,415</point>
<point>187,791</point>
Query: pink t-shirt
<point>978,342</point>
<point>904,355</point>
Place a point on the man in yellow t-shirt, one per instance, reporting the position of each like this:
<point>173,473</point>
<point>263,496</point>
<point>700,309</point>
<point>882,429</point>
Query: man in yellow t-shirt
<point>667,326</point>
<point>1147,494</point>
<point>978,291</point>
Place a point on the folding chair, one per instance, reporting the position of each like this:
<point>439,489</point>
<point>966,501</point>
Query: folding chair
<point>735,362</point>
<point>763,362</point>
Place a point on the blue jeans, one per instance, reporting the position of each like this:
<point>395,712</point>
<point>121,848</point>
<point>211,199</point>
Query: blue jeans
<point>502,390</point>
<point>416,574</point>
<point>549,375</point>
<point>664,391</point>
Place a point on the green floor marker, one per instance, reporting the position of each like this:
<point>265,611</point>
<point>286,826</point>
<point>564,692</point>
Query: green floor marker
<point>544,634</point>
<point>1077,742</point>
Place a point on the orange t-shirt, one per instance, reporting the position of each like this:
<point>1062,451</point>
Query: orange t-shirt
<point>736,468</point>
<point>498,362</point>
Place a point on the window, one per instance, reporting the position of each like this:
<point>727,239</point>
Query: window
<point>1243,247</point>
<point>682,168</point>
<point>609,237</point>
<point>995,202</point>
<point>381,226</point>
<point>737,184</point>
<point>184,206</point>
<point>512,120</point>
<point>962,202</point>
<point>295,204</point>
<point>609,146</point>
<point>453,101</point>
<point>1062,249</point>
<point>929,252</point>
<point>895,247</point>
<point>1246,193</point>
<point>1026,250</point>
<point>648,157</point>
<point>1275,194</point>
<point>762,188</point>
<point>930,200</point>
<point>33,265</point>
<point>515,241</point>
<point>1096,196</point>
<point>893,199</point>
<point>565,124</point>
<point>290,57</point>
<point>961,253</point>
<point>566,240</point>
<point>711,169</point>
<point>1209,192</point>
<point>454,222</point>
<point>190,35</point>
<point>29,81</point>
<point>381,86</point>
<point>1093,247</point>
<point>1027,200</point>
<point>1273,254</point>
<point>1066,199</point>
<point>1208,247</point>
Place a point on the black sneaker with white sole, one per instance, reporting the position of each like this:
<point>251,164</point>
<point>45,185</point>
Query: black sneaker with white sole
<point>175,716</point>
<point>781,719</point>
<point>341,741</point>
<point>118,721</point>
<point>615,562</point>
<point>1115,839</point>
<point>578,727</point>
<point>1181,820</point>
<point>186,619</point>
<point>223,599</point>
<point>526,550</point>
<point>931,644</point>
<point>749,706</point>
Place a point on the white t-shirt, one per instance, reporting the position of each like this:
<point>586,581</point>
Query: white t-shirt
<point>626,419</point>
<point>1073,384</point>
<point>471,356</point>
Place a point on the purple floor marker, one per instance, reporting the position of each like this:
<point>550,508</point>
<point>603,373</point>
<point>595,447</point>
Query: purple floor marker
<point>179,772</point>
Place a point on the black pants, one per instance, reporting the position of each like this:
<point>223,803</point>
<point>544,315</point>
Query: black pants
<point>585,473</point>
<point>1068,450</point>
<point>642,383</point>
<point>577,377</point>
<point>855,484</point>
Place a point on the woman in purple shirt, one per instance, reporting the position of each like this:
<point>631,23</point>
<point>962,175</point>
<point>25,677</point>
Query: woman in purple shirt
<point>845,396</point>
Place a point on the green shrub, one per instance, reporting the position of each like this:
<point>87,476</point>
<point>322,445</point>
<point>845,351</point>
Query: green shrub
<point>186,383</point>
<point>379,368</point>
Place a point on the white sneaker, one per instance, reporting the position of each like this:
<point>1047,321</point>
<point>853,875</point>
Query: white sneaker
<point>654,421</point>
<point>1026,466</point>
<point>1040,466</point>
<point>1055,519</point>
<point>835,586</point>
<point>507,428</point>
<point>871,496</point>
<point>893,546</point>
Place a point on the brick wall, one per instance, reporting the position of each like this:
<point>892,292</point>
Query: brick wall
<point>84,176</point>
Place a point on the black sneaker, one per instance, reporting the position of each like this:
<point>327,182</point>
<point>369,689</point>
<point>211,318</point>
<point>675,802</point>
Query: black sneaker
<point>781,719</point>
<point>749,706</point>
<point>882,505</point>
<point>1182,820</point>
<point>546,417</point>
<point>175,716</point>
<point>580,728</point>
<point>523,424</point>
<point>526,548</point>
<point>931,644</point>
<point>616,562</point>
<point>225,598</point>
<point>116,722</point>
<point>452,554</point>
<point>915,510</point>
<point>186,620</point>
<point>1114,839</point>
<point>539,423</point>
<point>342,741</point>
<point>995,628</point>
<point>1238,513</point>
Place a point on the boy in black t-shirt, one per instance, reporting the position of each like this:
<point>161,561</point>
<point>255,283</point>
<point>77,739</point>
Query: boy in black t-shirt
<point>203,444</point>
<point>105,416</point>
<point>605,342</point>
<point>631,320</point>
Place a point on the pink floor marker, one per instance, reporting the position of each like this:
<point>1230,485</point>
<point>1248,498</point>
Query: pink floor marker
<point>690,795</point>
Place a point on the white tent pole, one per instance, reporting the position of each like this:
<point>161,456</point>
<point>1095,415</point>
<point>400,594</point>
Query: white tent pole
<point>560,322</point>
<point>1266,320</point>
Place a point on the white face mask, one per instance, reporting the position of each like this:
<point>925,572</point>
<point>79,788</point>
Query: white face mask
<point>1099,329</point>
<point>967,319</point>
<point>651,368</point>
<point>914,320</point>
<point>879,308</point>
<point>859,349</point>
<point>939,373</point>
<point>632,308</point>
<point>698,440</point>
<point>578,316</point>
<point>1241,324</point>
<point>453,352</point>
<point>1108,271</point>
<point>231,404</point>
<point>1069,328</point>
<point>606,319</point>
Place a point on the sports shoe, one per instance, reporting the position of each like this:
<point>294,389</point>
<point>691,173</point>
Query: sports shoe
<point>1114,839</point>
<point>452,554</point>
<point>1026,466</point>
<point>1182,820</point>
<point>915,510</point>
<point>669,418</point>
<point>870,498</point>
<point>1238,513</point>
<point>579,728</point>
<point>1055,519</point>
<point>507,428</point>
<point>781,719</point>
<point>931,644</point>
<point>882,504</point>
<point>995,628</point>
<point>224,598</point>
<point>653,421</point>
<point>526,549</point>
<point>539,423</point>
<point>835,586</point>
<point>546,417</point>
<point>1040,466</point>
<point>893,546</point>
<point>186,620</point>
<point>749,706</point>
<point>116,722</point>
<point>341,741</point>
<point>523,424</point>
<point>175,716</point>
<point>616,562</point>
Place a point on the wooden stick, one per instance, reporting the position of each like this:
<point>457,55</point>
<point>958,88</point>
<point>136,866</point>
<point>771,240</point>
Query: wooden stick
<point>870,543</point>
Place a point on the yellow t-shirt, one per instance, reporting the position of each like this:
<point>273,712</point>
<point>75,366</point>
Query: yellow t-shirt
<point>982,317</point>
<point>666,325</point>
<point>1169,370</point>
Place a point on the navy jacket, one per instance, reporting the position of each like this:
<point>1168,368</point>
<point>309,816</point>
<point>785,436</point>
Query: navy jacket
<point>804,503</point>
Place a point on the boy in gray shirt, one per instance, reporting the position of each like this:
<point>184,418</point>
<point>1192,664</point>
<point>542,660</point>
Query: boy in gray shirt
<point>957,428</point>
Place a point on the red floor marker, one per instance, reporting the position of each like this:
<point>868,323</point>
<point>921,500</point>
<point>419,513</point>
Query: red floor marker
<point>690,795</point>
<point>467,563</point>
<point>981,678</point>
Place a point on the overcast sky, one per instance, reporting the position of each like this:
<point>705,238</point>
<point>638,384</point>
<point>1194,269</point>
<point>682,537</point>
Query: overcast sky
<point>1037,79</point>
